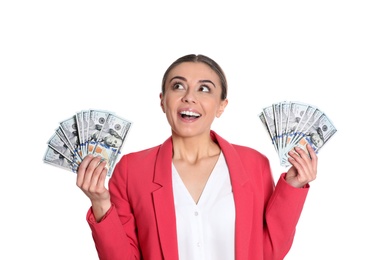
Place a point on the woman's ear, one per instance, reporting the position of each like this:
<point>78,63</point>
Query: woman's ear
<point>222,107</point>
<point>161,102</point>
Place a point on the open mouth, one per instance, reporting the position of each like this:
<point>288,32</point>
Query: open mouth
<point>189,115</point>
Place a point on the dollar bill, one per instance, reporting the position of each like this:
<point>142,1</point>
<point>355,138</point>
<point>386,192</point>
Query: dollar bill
<point>97,119</point>
<point>307,114</point>
<point>76,158</point>
<point>297,111</point>
<point>320,132</point>
<point>284,112</point>
<point>79,117</point>
<point>296,124</point>
<point>97,132</point>
<point>82,118</point>
<point>61,147</point>
<point>111,139</point>
<point>277,123</point>
<point>264,123</point>
<point>54,158</point>
<point>85,130</point>
<point>269,118</point>
<point>69,129</point>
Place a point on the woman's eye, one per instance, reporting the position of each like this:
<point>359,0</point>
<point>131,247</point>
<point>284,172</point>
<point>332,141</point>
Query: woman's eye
<point>177,86</point>
<point>204,88</point>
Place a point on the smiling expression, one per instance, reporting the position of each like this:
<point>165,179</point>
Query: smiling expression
<point>192,98</point>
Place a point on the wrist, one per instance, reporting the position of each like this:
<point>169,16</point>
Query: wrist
<point>100,208</point>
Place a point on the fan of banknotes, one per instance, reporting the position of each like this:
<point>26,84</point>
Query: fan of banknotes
<point>97,132</point>
<point>291,124</point>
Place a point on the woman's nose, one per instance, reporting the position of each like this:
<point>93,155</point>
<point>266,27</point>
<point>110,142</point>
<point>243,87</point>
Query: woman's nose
<point>189,97</point>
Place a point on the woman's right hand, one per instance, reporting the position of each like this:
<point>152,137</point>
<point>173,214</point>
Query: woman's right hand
<point>91,177</point>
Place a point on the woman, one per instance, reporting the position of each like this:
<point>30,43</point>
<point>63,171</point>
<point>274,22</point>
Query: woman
<point>195,196</point>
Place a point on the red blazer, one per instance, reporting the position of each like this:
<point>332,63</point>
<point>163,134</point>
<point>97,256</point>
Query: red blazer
<point>141,222</point>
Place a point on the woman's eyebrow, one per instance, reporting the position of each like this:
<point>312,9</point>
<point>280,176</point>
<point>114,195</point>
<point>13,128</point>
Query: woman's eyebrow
<point>200,81</point>
<point>207,81</point>
<point>178,77</point>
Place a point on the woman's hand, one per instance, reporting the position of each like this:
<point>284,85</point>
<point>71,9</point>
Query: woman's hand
<point>91,180</point>
<point>304,166</point>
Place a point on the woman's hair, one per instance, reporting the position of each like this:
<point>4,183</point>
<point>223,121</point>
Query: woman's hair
<point>204,59</point>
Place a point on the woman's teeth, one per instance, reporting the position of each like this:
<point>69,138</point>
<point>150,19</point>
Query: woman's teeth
<point>189,114</point>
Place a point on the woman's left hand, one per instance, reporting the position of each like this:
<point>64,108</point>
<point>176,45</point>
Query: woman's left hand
<point>304,167</point>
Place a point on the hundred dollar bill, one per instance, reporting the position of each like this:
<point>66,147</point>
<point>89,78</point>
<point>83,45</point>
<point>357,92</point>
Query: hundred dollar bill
<point>75,156</point>
<point>70,131</point>
<point>312,120</point>
<point>96,132</point>
<point>97,119</point>
<point>277,123</point>
<point>270,121</point>
<point>86,117</point>
<point>302,143</point>
<point>58,145</point>
<point>301,133</point>
<point>284,114</point>
<point>316,115</point>
<point>262,119</point>
<point>320,132</point>
<point>111,139</point>
<point>296,124</point>
<point>61,135</point>
<point>82,119</point>
<point>54,158</point>
<point>317,135</point>
<point>297,111</point>
<point>303,121</point>
<point>80,127</point>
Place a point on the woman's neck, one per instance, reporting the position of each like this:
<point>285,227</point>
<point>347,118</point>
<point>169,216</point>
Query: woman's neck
<point>193,149</point>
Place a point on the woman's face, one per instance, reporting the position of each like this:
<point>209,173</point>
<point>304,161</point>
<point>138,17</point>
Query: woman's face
<point>113,141</point>
<point>316,139</point>
<point>192,99</point>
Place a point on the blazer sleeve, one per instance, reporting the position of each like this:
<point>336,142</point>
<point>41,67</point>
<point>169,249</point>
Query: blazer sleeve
<point>275,209</point>
<point>115,235</point>
<point>281,214</point>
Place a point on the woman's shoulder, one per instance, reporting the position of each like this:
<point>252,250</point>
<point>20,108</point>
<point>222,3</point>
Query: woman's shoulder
<point>248,151</point>
<point>242,150</point>
<point>143,154</point>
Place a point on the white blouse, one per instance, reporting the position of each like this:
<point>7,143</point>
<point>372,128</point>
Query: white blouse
<point>206,230</point>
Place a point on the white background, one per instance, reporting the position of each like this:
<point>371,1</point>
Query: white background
<point>60,57</point>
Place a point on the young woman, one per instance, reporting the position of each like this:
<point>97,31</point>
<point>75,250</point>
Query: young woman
<point>195,196</point>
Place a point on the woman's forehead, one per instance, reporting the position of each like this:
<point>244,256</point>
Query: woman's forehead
<point>194,70</point>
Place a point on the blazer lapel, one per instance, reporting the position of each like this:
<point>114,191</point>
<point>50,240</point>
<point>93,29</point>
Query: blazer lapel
<point>164,202</point>
<point>164,199</point>
<point>242,194</point>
